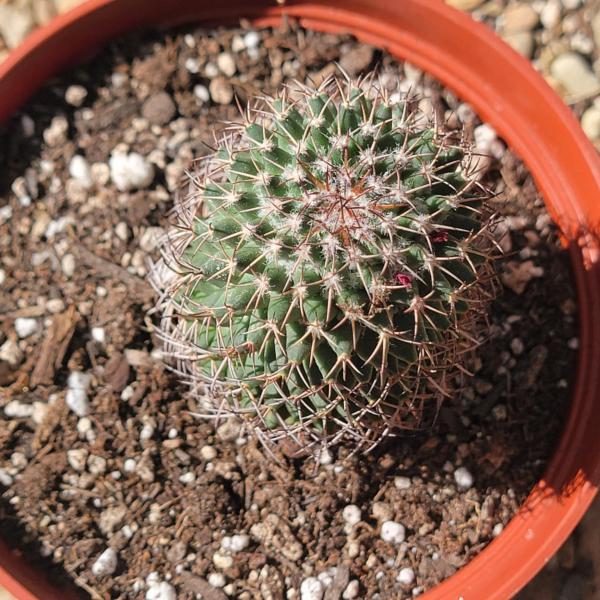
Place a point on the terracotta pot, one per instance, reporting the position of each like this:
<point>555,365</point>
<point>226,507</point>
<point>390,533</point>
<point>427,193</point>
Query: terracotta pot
<point>508,94</point>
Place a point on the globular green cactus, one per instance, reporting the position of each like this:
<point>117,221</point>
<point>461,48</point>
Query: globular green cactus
<point>327,267</point>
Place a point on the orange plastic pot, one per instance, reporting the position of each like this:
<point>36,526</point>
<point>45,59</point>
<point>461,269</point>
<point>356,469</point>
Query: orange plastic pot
<point>515,100</point>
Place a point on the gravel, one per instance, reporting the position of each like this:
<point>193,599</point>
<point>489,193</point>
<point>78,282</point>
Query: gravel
<point>464,479</point>
<point>573,72</point>
<point>161,590</point>
<point>75,95</point>
<point>25,326</point>
<point>393,532</point>
<point>221,90</point>
<point>226,64</point>
<point>105,564</point>
<point>251,39</point>
<point>159,108</point>
<point>351,514</point>
<point>80,170</point>
<point>406,576</point>
<point>352,590</point>
<point>311,589</point>
<point>235,543</point>
<point>11,353</point>
<point>130,171</point>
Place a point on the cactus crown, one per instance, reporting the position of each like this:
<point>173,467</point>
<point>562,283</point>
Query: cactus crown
<point>326,266</point>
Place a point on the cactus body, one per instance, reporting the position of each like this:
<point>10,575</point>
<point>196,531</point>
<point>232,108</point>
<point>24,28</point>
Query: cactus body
<point>327,267</point>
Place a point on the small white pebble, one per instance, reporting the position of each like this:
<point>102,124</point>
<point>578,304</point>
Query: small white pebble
<point>25,326</point>
<point>237,43</point>
<point>75,95</point>
<point>129,465</point>
<point>226,64</point>
<point>208,453</point>
<point>202,94</point>
<point>96,465</point>
<point>497,530</point>
<point>2,276</point>
<point>127,393</point>
<point>311,589</point>
<point>393,532</point>
<point>402,483</point>
<point>161,591</point>
<point>192,65</point>
<point>152,578</point>
<point>5,478</point>
<point>100,173</point>
<point>147,431</point>
<point>84,425</point>
<point>99,335</point>
<point>55,306</point>
<point>211,70</point>
<point>406,576</point>
<point>130,171</point>
<point>464,479</point>
<point>77,457</point>
<point>77,401</point>
<point>18,410</point>
<point>239,542</point>
<point>80,170</point>
<point>122,231</point>
<point>222,561</point>
<point>67,265</point>
<point>351,514</point>
<point>18,460</point>
<point>188,477</point>
<point>326,577</point>
<point>5,213</point>
<point>56,133</point>
<point>173,433</point>
<point>351,590</point>
<point>127,530</point>
<point>105,564</point>
<point>217,580</point>
<point>10,353</point>
<point>40,409</point>
<point>251,39</point>
<point>78,380</point>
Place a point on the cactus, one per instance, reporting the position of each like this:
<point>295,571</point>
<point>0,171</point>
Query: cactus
<point>328,267</point>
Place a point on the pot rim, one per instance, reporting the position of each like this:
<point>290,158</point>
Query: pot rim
<point>506,92</point>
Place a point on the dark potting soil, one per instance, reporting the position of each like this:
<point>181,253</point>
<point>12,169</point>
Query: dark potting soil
<point>140,474</point>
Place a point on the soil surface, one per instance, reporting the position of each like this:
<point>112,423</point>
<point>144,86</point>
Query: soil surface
<point>99,446</point>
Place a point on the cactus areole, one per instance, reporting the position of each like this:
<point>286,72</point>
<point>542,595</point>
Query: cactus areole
<point>327,269</point>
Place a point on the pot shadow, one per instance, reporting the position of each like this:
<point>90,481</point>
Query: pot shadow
<point>575,459</point>
<point>24,557</point>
